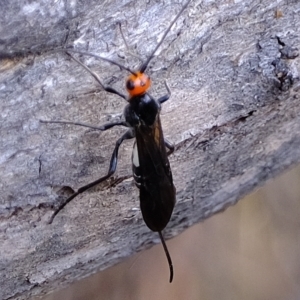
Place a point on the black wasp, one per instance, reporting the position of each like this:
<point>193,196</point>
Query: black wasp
<point>151,169</point>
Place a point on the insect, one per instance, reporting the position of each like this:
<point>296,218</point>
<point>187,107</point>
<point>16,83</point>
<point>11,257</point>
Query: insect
<point>151,169</point>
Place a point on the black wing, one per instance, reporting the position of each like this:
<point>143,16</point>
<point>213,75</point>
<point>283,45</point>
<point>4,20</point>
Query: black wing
<point>153,175</point>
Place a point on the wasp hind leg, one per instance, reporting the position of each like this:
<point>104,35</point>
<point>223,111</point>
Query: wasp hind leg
<point>112,168</point>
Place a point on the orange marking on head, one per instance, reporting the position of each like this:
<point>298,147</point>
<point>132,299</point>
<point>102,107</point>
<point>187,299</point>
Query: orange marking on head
<point>138,84</point>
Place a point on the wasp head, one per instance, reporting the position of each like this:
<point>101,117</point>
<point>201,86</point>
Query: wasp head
<point>138,84</point>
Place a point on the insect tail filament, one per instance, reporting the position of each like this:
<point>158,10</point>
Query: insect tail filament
<point>168,255</point>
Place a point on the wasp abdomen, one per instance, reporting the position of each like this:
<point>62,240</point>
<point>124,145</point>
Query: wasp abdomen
<point>136,166</point>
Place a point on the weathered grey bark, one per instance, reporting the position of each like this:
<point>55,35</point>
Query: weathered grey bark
<point>234,116</point>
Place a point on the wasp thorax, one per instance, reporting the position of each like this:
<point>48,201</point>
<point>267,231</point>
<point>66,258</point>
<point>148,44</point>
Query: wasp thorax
<point>138,84</point>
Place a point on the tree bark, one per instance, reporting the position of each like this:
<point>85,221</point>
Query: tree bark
<point>233,69</point>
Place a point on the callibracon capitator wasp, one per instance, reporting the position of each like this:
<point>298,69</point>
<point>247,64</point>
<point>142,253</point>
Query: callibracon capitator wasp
<point>151,169</point>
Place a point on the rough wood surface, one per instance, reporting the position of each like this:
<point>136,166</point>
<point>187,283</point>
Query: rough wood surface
<point>234,116</point>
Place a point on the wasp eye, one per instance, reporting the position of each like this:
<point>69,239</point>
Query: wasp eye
<point>130,85</point>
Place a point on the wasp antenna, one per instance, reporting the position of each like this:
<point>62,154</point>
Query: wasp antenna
<point>145,64</point>
<point>168,255</point>
<point>108,89</point>
<point>122,34</point>
<point>102,58</point>
<point>125,42</point>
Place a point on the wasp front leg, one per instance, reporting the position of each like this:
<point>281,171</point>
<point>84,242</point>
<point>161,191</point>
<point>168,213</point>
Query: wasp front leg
<point>166,97</point>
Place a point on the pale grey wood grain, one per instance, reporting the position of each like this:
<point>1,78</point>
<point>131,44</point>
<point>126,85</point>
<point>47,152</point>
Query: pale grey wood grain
<point>234,116</point>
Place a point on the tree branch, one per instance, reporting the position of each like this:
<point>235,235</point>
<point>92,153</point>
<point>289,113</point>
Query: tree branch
<point>233,69</point>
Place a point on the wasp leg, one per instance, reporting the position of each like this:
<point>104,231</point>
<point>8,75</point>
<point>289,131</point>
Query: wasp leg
<point>112,168</point>
<point>166,97</point>
<point>170,146</point>
<point>106,88</point>
<point>102,127</point>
